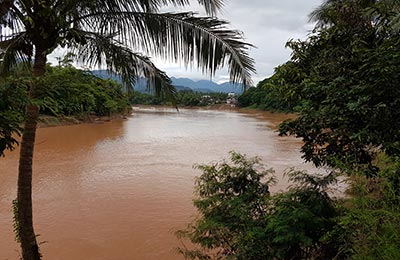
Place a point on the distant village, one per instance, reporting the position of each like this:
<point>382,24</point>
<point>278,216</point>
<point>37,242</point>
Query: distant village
<point>231,99</point>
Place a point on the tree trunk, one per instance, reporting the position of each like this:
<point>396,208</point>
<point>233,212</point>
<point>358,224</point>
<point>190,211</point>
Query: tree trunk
<point>29,245</point>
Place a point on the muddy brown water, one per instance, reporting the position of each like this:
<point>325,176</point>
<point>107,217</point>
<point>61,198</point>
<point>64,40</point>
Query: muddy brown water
<point>120,190</point>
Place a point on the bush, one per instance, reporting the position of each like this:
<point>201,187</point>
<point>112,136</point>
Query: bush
<point>240,219</point>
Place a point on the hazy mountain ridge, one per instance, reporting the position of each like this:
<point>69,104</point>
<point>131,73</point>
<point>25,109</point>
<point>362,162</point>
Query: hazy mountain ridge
<point>180,84</point>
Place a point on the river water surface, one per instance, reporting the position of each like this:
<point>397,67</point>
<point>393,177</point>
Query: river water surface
<point>120,190</point>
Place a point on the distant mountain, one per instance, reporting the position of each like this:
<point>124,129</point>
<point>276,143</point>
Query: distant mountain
<point>182,88</point>
<point>208,85</point>
<point>228,87</point>
<point>181,84</point>
<point>141,83</point>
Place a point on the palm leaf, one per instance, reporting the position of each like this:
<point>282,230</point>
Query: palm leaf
<point>5,7</point>
<point>137,25</point>
<point>204,41</point>
<point>14,51</point>
<point>11,16</point>
<point>99,49</point>
<point>211,6</point>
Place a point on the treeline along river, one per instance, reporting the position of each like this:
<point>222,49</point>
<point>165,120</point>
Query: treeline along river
<point>119,190</point>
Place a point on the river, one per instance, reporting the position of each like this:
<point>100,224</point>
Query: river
<point>119,190</point>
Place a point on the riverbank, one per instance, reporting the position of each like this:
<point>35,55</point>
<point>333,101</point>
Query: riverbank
<point>274,118</point>
<point>52,121</point>
<point>221,107</point>
<point>224,107</point>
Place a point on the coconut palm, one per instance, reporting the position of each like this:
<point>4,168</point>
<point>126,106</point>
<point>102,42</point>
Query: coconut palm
<point>118,34</point>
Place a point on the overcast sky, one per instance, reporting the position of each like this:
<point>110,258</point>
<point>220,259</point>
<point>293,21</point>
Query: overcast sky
<point>267,24</point>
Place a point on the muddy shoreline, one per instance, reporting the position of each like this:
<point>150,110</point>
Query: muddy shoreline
<point>52,121</point>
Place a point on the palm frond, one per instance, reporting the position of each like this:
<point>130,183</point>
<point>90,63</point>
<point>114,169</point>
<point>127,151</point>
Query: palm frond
<point>11,16</point>
<point>99,49</point>
<point>5,7</point>
<point>15,50</point>
<point>204,41</point>
<point>210,6</point>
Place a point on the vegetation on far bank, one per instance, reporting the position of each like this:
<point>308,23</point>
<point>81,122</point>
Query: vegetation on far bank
<point>182,98</point>
<point>276,93</point>
<point>71,95</point>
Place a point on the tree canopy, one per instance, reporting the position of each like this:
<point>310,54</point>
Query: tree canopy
<point>278,92</point>
<point>349,91</point>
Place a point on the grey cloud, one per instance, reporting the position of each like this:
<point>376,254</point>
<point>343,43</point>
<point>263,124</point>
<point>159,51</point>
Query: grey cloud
<point>254,20</point>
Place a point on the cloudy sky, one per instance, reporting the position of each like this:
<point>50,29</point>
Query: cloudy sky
<point>267,24</point>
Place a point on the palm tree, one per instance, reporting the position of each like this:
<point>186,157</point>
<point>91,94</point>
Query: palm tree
<point>114,33</point>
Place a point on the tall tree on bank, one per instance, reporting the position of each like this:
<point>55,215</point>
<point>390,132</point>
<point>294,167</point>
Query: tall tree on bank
<point>113,33</point>
<point>350,66</point>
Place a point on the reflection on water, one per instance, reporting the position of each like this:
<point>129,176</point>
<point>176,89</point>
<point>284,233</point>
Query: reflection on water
<point>119,190</point>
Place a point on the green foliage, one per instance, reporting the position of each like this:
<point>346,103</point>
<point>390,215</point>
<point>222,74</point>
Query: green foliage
<point>182,98</point>
<point>68,92</point>
<point>230,201</point>
<point>13,99</point>
<point>372,219</point>
<point>138,98</point>
<point>374,233</point>
<point>240,219</point>
<point>72,92</point>
<point>349,117</point>
<point>350,89</point>
<point>301,222</point>
<point>277,93</point>
<point>189,98</point>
